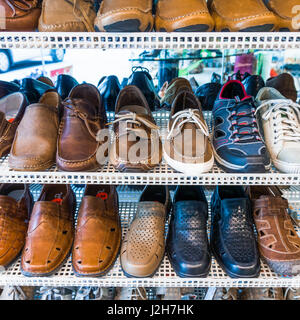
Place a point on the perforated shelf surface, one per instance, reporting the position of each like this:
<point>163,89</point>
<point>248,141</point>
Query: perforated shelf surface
<point>161,174</point>
<point>165,276</point>
<point>151,40</point>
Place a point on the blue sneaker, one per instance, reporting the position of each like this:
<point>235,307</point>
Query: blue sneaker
<point>238,146</point>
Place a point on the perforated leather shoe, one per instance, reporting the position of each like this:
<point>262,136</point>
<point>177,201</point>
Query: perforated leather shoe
<point>232,236</point>
<point>187,243</point>
<point>143,247</point>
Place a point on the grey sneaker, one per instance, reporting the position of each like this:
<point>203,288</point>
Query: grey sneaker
<point>131,294</point>
<point>221,294</point>
<point>92,293</point>
<point>16,293</point>
<point>292,294</point>
<point>51,293</point>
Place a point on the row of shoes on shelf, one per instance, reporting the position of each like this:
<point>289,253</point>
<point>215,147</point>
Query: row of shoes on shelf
<point>140,293</point>
<point>247,132</point>
<point>146,15</point>
<point>44,231</point>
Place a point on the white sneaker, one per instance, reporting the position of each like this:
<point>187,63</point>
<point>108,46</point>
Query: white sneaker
<point>13,293</point>
<point>279,121</point>
<point>92,293</point>
<point>131,294</point>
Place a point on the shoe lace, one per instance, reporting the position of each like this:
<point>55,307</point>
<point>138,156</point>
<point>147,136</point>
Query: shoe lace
<point>83,15</point>
<point>269,293</point>
<point>83,293</point>
<point>295,292</point>
<point>252,133</point>
<point>83,116</point>
<point>134,119</point>
<point>229,294</point>
<point>17,293</point>
<point>27,6</point>
<point>286,116</point>
<point>187,116</point>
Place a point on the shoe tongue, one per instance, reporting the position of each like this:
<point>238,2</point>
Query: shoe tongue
<point>82,106</point>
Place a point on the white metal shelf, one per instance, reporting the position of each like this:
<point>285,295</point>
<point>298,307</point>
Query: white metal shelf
<point>165,276</point>
<point>161,174</point>
<point>151,40</point>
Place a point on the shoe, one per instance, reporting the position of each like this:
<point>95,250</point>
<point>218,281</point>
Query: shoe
<point>92,293</point>
<point>221,294</point>
<point>21,15</point>
<point>51,293</point>
<point>142,79</point>
<point>7,88</point>
<point>34,145</point>
<point>12,108</point>
<point>238,146</point>
<point>46,80</point>
<point>83,116</point>
<point>131,294</point>
<point>17,293</point>
<point>292,294</point>
<point>285,84</point>
<point>207,95</point>
<point>136,145</point>
<point>67,16</point>
<point>50,233</point>
<point>98,232</point>
<point>278,241</point>
<point>173,89</point>
<point>16,203</point>
<point>279,121</point>
<point>252,84</point>
<point>232,236</point>
<point>284,13</point>
<point>125,16</point>
<point>183,16</point>
<point>187,242</point>
<point>143,247</point>
<point>187,147</point>
<point>261,294</point>
<point>109,90</point>
<point>248,16</point>
<point>64,84</point>
<point>34,89</point>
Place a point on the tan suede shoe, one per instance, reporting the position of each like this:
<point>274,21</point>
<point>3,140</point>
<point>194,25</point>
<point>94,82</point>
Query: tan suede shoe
<point>67,16</point>
<point>246,15</point>
<point>125,16</point>
<point>285,11</point>
<point>143,247</point>
<point>184,16</point>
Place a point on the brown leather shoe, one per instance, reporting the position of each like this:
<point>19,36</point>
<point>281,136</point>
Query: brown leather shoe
<point>16,204</point>
<point>125,16</point>
<point>278,241</point>
<point>67,16</point>
<point>174,87</point>
<point>50,232</point>
<point>12,108</point>
<point>21,15</point>
<point>187,15</point>
<point>187,147</point>
<point>284,13</point>
<point>84,115</point>
<point>136,145</point>
<point>98,233</point>
<point>34,145</point>
<point>246,15</point>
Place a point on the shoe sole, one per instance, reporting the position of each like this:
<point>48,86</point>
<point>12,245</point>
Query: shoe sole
<point>194,28</point>
<point>286,167</point>
<point>284,268</point>
<point>260,28</point>
<point>131,25</point>
<point>248,168</point>
<point>189,168</point>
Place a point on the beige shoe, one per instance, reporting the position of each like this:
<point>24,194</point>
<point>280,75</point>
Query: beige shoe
<point>187,147</point>
<point>67,16</point>
<point>125,16</point>
<point>131,294</point>
<point>279,119</point>
<point>261,294</point>
<point>143,247</point>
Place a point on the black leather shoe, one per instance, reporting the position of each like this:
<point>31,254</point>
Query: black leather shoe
<point>232,236</point>
<point>187,242</point>
<point>207,95</point>
<point>7,88</point>
<point>252,84</point>
<point>34,89</point>
<point>141,78</point>
<point>64,84</point>
<point>109,89</point>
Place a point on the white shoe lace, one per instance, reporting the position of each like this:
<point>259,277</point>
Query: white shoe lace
<point>294,291</point>
<point>187,116</point>
<point>286,116</point>
<point>133,294</point>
